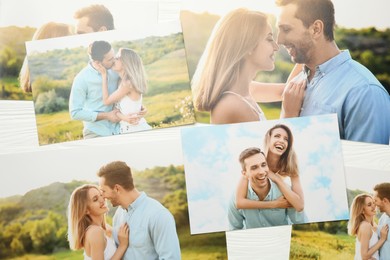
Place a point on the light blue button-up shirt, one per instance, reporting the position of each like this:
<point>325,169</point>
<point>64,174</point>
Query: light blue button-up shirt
<point>384,251</point>
<point>152,230</point>
<point>344,86</point>
<point>86,100</point>
<point>255,218</point>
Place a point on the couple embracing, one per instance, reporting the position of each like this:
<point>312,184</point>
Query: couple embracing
<point>325,80</point>
<point>107,94</point>
<point>270,192</point>
<point>372,240</point>
<point>142,227</point>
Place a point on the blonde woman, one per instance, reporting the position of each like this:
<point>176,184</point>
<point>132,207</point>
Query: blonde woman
<point>361,224</point>
<point>240,45</point>
<point>283,170</point>
<point>87,228</point>
<point>132,85</point>
<point>46,31</point>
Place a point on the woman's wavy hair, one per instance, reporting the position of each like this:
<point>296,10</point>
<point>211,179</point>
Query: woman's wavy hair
<point>356,213</point>
<point>134,70</point>
<point>288,163</point>
<point>233,37</point>
<point>78,220</point>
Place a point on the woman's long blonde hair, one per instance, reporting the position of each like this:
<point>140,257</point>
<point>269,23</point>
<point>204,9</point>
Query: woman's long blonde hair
<point>46,31</point>
<point>78,220</point>
<point>288,162</point>
<point>134,70</point>
<point>233,37</point>
<point>356,213</point>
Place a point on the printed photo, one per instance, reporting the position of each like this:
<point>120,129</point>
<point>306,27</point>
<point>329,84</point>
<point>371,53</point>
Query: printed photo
<point>21,22</point>
<point>110,83</point>
<point>263,174</point>
<point>127,200</point>
<point>365,235</point>
<point>366,165</point>
<point>251,61</point>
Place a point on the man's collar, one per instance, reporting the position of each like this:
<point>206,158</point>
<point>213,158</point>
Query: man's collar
<point>253,194</point>
<point>330,64</point>
<point>137,202</point>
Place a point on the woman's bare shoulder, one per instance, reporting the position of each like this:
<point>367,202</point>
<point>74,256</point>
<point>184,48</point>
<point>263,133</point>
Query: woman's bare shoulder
<point>231,109</point>
<point>94,232</point>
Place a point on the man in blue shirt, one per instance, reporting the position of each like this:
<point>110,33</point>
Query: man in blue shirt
<point>86,97</point>
<point>335,82</point>
<point>382,201</point>
<point>260,188</point>
<point>152,227</point>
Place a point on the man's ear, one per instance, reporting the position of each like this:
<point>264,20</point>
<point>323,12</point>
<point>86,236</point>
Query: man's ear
<point>317,29</point>
<point>102,29</point>
<point>117,188</point>
<point>243,172</point>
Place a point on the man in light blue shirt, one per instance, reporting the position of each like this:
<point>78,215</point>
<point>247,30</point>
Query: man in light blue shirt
<point>260,187</point>
<point>382,201</point>
<point>152,227</point>
<point>335,82</point>
<point>86,96</point>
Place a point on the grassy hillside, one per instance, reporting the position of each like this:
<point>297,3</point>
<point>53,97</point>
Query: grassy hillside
<point>307,245</point>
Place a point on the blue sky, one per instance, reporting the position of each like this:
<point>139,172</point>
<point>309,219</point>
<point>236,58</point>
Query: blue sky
<point>212,168</point>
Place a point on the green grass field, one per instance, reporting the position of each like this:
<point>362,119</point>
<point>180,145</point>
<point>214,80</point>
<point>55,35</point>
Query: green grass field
<point>307,245</point>
<point>197,247</point>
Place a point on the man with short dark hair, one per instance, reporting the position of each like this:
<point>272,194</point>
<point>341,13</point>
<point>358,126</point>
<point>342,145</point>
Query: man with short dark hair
<point>93,18</point>
<point>260,188</point>
<point>86,97</point>
<point>152,227</point>
<point>335,82</point>
<point>382,202</point>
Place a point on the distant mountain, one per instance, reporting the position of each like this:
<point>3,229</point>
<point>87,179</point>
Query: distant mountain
<point>156,182</point>
<point>52,197</point>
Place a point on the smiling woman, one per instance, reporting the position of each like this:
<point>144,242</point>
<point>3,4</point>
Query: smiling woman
<point>362,225</point>
<point>87,227</point>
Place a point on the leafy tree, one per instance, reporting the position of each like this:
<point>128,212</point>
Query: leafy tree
<point>49,102</point>
<point>10,64</point>
<point>176,203</point>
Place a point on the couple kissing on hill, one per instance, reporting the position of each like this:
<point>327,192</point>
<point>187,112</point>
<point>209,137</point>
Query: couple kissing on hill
<point>107,94</point>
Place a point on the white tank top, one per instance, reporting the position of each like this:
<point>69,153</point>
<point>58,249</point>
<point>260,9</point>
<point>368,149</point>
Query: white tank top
<point>373,240</point>
<point>109,251</point>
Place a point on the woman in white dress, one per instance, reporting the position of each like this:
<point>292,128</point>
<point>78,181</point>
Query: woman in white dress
<point>87,228</point>
<point>240,45</point>
<point>283,170</point>
<point>132,85</point>
<point>361,224</point>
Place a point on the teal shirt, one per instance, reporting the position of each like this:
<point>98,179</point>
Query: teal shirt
<point>86,100</point>
<point>255,218</point>
<point>384,251</point>
<point>152,230</point>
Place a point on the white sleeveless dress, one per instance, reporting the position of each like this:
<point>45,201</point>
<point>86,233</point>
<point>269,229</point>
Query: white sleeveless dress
<point>126,105</point>
<point>109,251</point>
<point>373,240</point>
